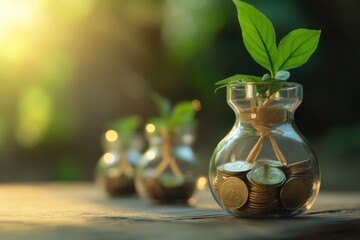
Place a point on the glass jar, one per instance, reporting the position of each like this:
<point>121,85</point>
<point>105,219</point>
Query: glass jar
<point>115,170</point>
<point>167,171</point>
<point>264,167</point>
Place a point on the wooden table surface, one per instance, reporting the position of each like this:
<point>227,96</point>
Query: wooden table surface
<point>79,211</point>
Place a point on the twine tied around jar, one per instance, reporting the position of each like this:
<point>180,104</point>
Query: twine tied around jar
<point>261,116</point>
<point>124,167</point>
<point>168,159</point>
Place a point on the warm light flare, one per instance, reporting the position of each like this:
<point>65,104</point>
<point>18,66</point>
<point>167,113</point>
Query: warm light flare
<point>16,15</point>
<point>111,136</point>
<point>196,104</point>
<point>109,158</point>
<point>201,183</point>
<point>150,155</point>
<point>150,128</point>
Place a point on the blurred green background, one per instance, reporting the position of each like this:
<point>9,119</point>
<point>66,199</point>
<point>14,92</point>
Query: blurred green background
<point>69,67</point>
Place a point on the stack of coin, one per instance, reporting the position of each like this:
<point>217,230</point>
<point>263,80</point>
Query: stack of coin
<point>298,189</point>
<point>234,193</point>
<point>268,162</point>
<point>295,193</point>
<point>301,169</point>
<point>265,185</point>
<point>237,169</point>
<point>218,180</point>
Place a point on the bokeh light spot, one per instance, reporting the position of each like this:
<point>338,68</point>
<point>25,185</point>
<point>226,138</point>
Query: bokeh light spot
<point>201,183</point>
<point>109,158</point>
<point>150,155</point>
<point>150,128</point>
<point>196,104</point>
<point>111,136</point>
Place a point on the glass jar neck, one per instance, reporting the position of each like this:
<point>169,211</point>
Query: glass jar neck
<point>265,103</point>
<point>112,146</point>
<point>183,135</point>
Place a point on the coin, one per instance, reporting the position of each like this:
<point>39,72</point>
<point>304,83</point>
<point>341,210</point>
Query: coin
<point>233,193</point>
<point>217,183</point>
<point>237,166</point>
<point>267,175</point>
<point>294,194</point>
<point>272,163</point>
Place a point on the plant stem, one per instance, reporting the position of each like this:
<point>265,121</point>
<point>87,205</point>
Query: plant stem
<point>124,166</point>
<point>254,153</point>
<point>168,159</point>
<point>264,131</point>
<point>277,150</point>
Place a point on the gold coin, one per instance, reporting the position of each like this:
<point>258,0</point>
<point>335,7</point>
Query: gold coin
<point>271,163</point>
<point>237,167</point>
<point>267,175</point>
<point>294,194</point>
<point>234,193</point>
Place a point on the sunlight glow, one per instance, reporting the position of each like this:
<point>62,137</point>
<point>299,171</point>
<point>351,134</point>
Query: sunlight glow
<point>16,14</point>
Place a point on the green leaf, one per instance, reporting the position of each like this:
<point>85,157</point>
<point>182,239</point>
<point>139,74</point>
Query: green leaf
<point>126,127</point>
<point>126,124</point>
<point>265,77</point>
<point>237,78</point>
<point>258,35</point>
<point>262,88</point>
<point>163,105</point>
<point>240,78</point>
<point>274,88</point>
<point>159,122</point>
<point>296,48</point>
<point>274,85</point>
<point>282,75</point>
<point>182,114</point>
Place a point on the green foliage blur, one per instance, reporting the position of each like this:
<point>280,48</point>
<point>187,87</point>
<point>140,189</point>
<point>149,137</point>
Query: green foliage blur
<point>172,117</point>
<point>68,68</point>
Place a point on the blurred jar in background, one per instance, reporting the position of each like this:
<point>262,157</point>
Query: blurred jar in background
<point>115,170</point>
<point>167,172</point>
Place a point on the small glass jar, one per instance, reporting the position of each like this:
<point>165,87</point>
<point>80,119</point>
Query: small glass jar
<point>264,167</point>
<point>115,170</point>
<point>167,171</point>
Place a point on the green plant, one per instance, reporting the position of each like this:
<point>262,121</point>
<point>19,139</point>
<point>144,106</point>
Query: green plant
<point>126,127</point>
<point>181,114</point>
<point>260,41</point>
<point>167,124</point>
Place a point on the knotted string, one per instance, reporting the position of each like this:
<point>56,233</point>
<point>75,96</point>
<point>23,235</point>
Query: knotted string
<point>260,122</point>
<point>168,159</point>
<point>124,167</point>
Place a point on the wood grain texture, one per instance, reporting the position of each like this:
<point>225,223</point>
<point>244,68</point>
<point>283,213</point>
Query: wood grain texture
<point>79,211</point>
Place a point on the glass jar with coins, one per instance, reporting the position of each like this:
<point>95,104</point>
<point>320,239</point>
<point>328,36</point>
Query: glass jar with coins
<point>167,171</point>
<point>264,167</point>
